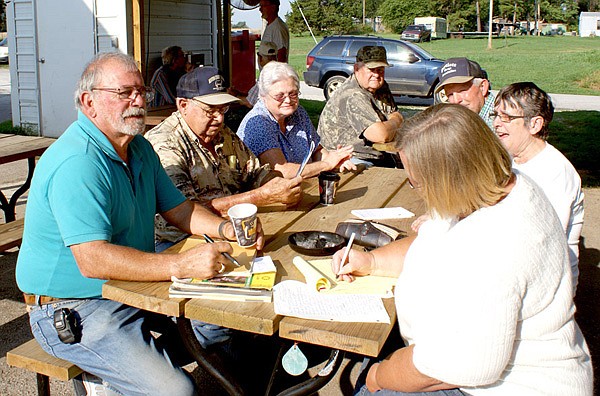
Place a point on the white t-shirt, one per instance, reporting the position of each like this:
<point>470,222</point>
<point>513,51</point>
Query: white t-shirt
<point>488,301</point>
<point>561,183</point>
<point>277,32</point>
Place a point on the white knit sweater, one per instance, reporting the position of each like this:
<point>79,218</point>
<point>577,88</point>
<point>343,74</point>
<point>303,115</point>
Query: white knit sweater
<point>488,301</point>
<point>561,183</point>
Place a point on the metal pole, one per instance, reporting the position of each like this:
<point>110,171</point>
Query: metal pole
<point>306,22</point>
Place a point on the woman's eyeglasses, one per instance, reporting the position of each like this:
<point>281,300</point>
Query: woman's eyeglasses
<point>280,97</point>
<point>507,118</point>
<point>130,92</point>
<point>212,112</point>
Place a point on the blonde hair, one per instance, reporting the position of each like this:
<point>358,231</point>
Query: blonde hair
<point>455,159</point>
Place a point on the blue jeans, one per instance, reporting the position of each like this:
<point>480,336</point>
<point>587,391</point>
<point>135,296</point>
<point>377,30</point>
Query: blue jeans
<point>361,389</point>
<point>117,345</point>
<point>207,334</point>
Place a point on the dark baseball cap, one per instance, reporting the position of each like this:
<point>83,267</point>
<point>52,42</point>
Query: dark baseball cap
<point>458,71</point>
<point>372,56</point>
<point>206,85</point>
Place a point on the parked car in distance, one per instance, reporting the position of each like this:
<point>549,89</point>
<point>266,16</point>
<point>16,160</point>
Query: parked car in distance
<point>418,33</point>
<point>413,71</point>
<point>4,50</point>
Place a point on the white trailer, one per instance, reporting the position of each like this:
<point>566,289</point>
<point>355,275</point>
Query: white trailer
<point>438,26</point>
<point>51,41</point>
<point>589,24</point>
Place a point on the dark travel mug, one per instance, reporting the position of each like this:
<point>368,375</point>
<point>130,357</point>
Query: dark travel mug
<point>328,182</point>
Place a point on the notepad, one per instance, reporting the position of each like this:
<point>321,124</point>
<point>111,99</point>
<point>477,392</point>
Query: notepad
<point>397,212</point>
<point>297,299</point>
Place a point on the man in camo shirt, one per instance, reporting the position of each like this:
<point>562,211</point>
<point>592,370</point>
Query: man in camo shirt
<point>362,111</point>
<point>206,160</point>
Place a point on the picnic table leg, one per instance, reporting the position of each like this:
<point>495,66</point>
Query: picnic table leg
<point>209,361</point>
<point>43,385</point>
<point>311,385</point>
<point>9,206</point>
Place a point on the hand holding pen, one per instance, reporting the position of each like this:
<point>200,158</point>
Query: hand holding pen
<point>346,253</point>
<point>227,255</point>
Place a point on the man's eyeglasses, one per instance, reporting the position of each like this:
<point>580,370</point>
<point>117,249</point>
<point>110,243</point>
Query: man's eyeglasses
<point>280,97</point>
<point>130,92</point>
<point>211,112</point>
<point>504,117</point>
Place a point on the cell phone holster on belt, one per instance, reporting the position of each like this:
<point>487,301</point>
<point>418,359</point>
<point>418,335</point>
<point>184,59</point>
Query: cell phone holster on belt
<point>368,233</point>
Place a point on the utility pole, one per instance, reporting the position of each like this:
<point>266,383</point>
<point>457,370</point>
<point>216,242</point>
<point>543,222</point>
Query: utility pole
<point>490,24</point>
<point>364,12</point>
<point>478,16</point>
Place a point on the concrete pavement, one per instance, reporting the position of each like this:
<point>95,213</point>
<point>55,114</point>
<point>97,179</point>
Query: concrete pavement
<point>562,102</point>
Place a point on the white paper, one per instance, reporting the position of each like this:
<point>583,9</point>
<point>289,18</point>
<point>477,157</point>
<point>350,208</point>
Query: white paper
<point>263,264</point>
<point>297,299</point>
<point>383,213</point>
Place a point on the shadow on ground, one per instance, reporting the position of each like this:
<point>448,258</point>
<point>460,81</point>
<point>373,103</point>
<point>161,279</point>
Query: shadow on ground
<point>586,300</point>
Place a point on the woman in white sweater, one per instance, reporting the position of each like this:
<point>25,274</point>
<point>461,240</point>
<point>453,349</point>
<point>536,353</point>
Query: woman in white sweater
<point>484,294</point>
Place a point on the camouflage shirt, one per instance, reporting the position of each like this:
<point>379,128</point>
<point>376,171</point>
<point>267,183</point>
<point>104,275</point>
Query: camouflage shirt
<point>350,110</point>
<point>196,172</point>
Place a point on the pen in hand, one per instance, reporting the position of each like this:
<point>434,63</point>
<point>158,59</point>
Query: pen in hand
<point>227,255</point>
<point>347,252</point>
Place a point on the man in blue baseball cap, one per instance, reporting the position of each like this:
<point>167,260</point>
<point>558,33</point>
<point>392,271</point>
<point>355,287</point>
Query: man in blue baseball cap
<point>206,160</point>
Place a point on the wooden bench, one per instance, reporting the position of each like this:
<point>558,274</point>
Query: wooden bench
<point>11,234</point>
<point>32,357</point>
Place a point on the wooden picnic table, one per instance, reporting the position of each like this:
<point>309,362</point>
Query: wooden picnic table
<point>372,188</point>
<point>15,148</point>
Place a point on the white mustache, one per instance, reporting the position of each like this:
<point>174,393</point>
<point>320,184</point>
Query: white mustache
<point>134,112</point>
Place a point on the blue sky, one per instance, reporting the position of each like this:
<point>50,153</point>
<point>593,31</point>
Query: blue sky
<point>252,17</point>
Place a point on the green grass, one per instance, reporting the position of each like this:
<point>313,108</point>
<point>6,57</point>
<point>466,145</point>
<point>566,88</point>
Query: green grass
<point>557,64</point>
<point>8,128</point>
<point>574,133</point>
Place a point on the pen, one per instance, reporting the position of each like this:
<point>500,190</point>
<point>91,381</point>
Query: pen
<point>227,255</point>
<point>347,252</point>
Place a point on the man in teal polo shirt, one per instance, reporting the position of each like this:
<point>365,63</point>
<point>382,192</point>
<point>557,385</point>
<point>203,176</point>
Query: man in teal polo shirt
<point>90,217</point>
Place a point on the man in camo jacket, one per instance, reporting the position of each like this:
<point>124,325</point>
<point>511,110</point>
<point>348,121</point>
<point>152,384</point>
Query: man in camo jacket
<point>362,111</point>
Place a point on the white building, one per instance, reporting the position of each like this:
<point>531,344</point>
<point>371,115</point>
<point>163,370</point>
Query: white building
<point>51,41</point>
<point>589,24</point>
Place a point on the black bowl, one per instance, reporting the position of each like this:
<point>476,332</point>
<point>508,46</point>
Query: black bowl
<point>316,243</point>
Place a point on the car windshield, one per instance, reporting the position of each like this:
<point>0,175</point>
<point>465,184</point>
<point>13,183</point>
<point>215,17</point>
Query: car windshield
<point>414,27</point>
<point>4,42</point>
<point>420,51</point>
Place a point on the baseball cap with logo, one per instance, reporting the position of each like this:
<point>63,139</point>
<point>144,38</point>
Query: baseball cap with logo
<point>267,48</point>
<point>206,85</point>
<point>372,56</point>
<point>458,71</point>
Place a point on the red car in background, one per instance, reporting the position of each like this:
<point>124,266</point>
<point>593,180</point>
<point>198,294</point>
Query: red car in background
<point>418,33</point>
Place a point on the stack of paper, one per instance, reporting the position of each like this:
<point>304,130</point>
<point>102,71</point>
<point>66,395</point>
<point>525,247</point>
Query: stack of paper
<point>252,281</point>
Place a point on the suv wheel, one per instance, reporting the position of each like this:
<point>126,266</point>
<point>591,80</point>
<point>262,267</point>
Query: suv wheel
<point>332,84</point>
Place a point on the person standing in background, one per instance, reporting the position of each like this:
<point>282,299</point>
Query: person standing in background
<point>276,30</point>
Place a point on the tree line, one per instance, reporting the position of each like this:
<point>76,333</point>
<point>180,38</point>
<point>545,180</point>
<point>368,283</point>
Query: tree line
<point>327,17</point>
